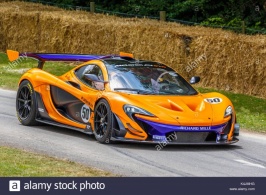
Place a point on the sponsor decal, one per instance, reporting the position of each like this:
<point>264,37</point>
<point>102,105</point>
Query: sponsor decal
<point>195,128</point>
<point>30,88</point>
<point>140,65</point>
<point>159,137</point>
<point>86,101</point>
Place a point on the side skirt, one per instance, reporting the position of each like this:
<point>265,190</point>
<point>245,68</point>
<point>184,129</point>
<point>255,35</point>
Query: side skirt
<point>53,123</point>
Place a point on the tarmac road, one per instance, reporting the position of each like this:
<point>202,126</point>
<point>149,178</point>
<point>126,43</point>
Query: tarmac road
<point>247,158</point>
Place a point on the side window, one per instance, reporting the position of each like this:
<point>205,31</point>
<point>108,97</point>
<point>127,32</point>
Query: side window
<point>92,70</point>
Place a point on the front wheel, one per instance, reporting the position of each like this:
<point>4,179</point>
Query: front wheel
<point>103,122</point>
<point>26,104</point>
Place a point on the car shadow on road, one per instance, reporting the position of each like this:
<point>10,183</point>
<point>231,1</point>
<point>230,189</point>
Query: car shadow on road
<point>64,131</point>
<point>168,147</point>
<point>140,146</point>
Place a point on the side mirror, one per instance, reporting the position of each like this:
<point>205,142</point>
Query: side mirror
<point>194,80</point>
<point>94,78</point>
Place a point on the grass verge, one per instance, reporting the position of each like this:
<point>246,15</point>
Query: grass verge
<point>19,163</point>
<point>251,111</point>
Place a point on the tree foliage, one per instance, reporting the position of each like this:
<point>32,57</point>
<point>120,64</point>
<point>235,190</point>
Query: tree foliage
<point>199,11</point>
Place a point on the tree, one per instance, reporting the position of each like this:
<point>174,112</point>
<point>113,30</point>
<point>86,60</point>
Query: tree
<point>253,12</point>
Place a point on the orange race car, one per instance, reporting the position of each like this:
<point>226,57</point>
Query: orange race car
<point>119,98</point>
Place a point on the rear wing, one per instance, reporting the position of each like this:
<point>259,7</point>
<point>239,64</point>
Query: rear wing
<point>43,57</point>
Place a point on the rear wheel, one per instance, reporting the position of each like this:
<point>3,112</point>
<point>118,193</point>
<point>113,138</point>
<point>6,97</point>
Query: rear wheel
<point>103,122</point>
<point>26,104</point>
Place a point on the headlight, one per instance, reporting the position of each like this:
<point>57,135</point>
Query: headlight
<point>130,110</point>
<point>228,111</point>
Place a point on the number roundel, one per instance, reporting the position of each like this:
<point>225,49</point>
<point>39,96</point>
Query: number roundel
<point>85,113</point>
<point>215,100</point>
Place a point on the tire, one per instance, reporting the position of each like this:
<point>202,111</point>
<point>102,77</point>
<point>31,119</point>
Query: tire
<point>103,122</point>
<point>26,104</point>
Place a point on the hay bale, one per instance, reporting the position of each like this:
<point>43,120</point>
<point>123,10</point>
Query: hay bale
<point>223,59</point>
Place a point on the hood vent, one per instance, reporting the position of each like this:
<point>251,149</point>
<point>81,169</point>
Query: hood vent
<point>171,106</point>
<point>196,107</point>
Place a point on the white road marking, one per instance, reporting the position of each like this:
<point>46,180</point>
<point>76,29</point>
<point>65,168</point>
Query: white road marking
<point>250,164</point>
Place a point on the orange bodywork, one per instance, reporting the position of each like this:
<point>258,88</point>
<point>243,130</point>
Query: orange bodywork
<point>168,109</point>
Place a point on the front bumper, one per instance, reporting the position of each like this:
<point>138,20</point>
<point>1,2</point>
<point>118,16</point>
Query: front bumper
<point>174,134</point>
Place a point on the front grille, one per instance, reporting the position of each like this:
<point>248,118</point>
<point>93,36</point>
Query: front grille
<point>212,136</point>
<point>188,137</point>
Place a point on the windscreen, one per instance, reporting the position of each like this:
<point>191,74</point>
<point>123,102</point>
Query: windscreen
<point>147,78</point>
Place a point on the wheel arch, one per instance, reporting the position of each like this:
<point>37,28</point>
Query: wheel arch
<point>27,77</point>
<point>117,124</point>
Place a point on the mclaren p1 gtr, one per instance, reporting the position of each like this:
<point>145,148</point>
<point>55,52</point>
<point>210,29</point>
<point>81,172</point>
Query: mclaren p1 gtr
<point>119,98</point>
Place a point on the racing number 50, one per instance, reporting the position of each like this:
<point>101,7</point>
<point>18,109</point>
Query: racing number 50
<point>85,113</point>
<point>215,100</point>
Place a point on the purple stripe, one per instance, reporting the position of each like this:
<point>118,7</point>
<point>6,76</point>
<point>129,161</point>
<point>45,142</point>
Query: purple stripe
<point>64,57</point>
<point>162,129</point>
